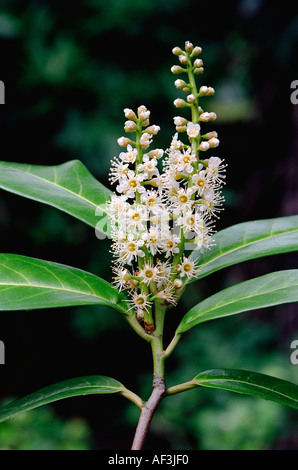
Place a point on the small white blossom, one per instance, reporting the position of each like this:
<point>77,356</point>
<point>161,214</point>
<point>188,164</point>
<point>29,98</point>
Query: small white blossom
<point>193,130</point>
<point>129,156</point>
<point>130,249</point>
<point>140,301</point>
<point>130,185</point>
<point>145,140</point>
<point>148,167</point>
<point>187,268</point>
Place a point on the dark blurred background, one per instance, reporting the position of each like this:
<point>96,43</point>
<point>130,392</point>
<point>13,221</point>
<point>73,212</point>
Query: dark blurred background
<point>69,69</point>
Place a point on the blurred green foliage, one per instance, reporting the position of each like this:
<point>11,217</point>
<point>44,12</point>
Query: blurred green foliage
<point>42,430</point>
<point>69,70</point>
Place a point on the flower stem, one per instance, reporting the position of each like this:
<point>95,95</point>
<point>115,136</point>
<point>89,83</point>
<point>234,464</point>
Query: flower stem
<point>159,386</point>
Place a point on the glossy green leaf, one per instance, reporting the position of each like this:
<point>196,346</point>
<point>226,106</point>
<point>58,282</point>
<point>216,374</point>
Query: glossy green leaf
<point>249,240</point>
<point>28,283</point>
<point>250,383</point>
<point>69,187</point>
<point>95,384</point>
<point>271,289</point>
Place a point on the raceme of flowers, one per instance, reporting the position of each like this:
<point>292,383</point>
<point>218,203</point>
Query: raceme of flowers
<point>164,199</point>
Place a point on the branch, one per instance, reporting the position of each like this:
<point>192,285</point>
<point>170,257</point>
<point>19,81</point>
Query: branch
<point>147,412</point>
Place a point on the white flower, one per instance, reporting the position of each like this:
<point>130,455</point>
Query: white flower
<point>129,156</point>
<point>200,181</point>
<point>152,200</point>
<point>185,161</point>
<point>167,295</point>
<point>129,250</point>
<point>191,221</point>
<point>187,268</point>
<point>164,269</point>
<point>121,277</point>
<point>130,185</point>
<point>176,144</point>
<point>215,169</point>
<point>170,244</point>
<point>193,130</point>
<point>211,202</point>
<point>140,301</point>
<point>137,217</point>
<point>182,199</point>
<point>119,171</point>
<point>118,204</point>
<point>148,167</point>
<point>152,240</point>
<point>148,273</point>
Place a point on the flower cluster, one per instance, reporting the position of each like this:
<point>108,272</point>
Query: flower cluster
<point>158,207</point>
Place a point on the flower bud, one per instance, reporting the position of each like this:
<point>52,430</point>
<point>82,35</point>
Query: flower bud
<point>145,140</point>
<point>180,83</point>
<point>153,130</point>
<point>203,90</point>
<point>212,116</point>
<point>156,153</point>
<point>130,126</point>
<point>183,59</point>
<point>204,146</point>
<point>198,63</point>
<point>191,98</point>
<point>180,128</point>
<point>123,141</point>
<point>177,283</point>
<point>198,71</point>
<point>177,51</point>
<point>180,121</point>
<point>143,113</point>
<point>196,51</point>
<point>179,103</point>
<point>176,69</point>
<point>133,283</point>
<point>211,91</point>
<point>210,135</point>
<point>213,142</point>
<point>188,46</point>
<point>205,117</point>
<point>130,114</point>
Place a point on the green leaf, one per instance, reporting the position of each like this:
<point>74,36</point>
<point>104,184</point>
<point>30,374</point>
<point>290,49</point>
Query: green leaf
<point>271,289</point>
<point>29,283</point>
<point>68,187</point>
<point>95,384</point>
<point>250,383</point>
<point>249,240</point>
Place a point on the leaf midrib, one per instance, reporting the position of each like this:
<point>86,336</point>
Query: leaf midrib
<point>57,185</point>
<point>65,189</point>
<point>220,305</point>
<point>48,287</point>
<point>252,242</point>
<point>246,383</point>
